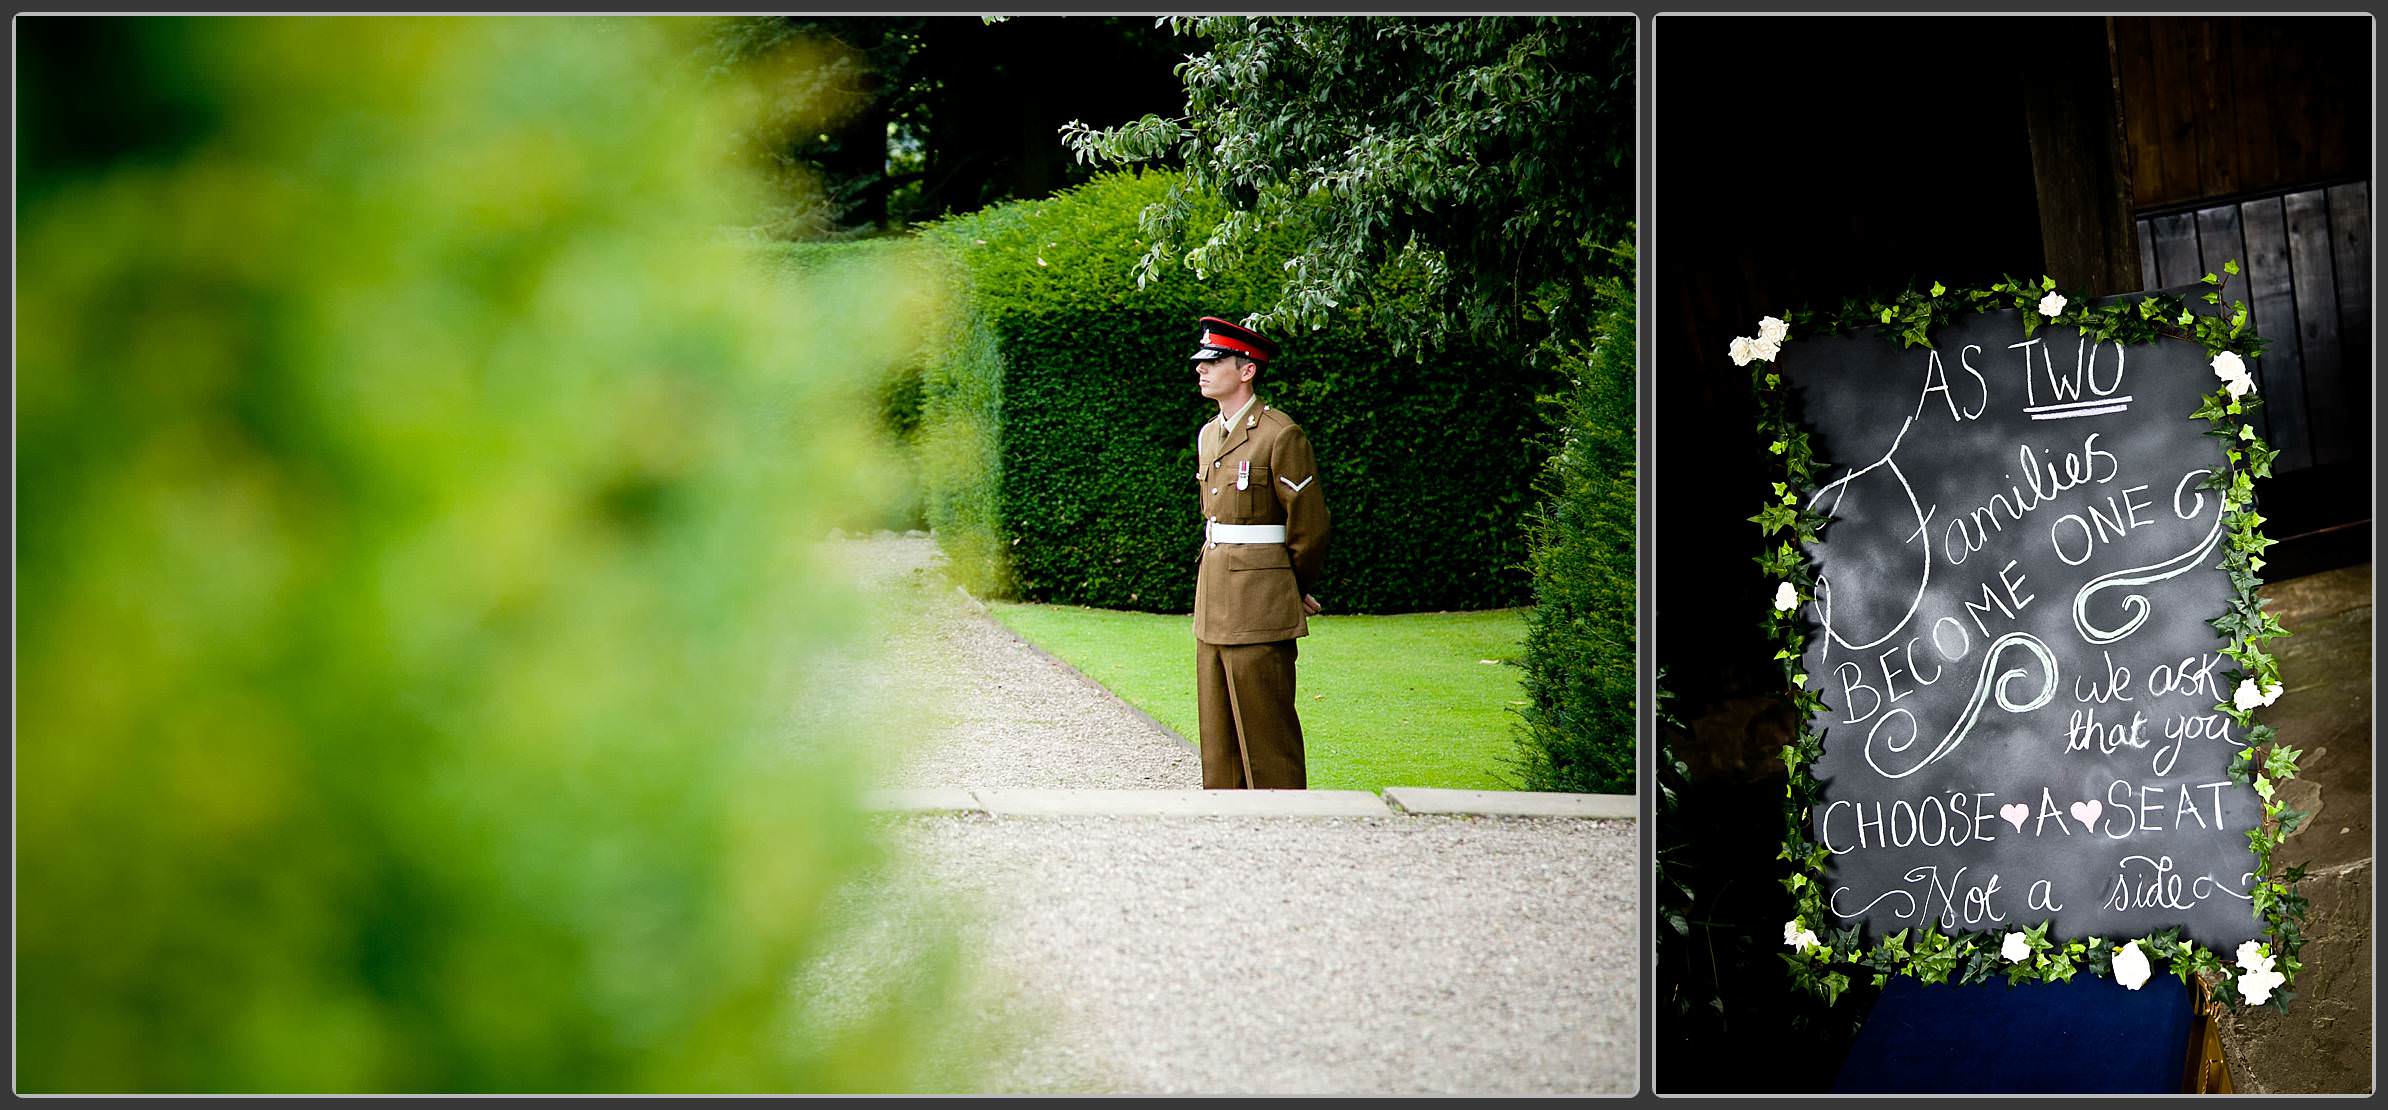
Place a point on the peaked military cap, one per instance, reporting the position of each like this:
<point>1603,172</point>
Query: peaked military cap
<point>1218,339</point>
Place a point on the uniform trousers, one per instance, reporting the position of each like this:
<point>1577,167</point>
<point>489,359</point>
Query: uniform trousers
<point>1251,737</point>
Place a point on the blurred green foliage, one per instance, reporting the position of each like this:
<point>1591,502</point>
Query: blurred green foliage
<point>416,573</point>
<point>1580,635</point>
<point>1060,413</point>
<point>898,392</point>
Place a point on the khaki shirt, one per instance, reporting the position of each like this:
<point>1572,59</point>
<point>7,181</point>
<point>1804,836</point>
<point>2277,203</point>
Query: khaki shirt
<point>1252,593</point>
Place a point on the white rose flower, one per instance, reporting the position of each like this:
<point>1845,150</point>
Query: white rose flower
<point>1743,350</point>
<point>1767,349</point>
<point>2256,986</point>
<point>2250,696</point>
<point>2016,948</point>
<point>2232,369</point>
<point>2131,966</point>
<point>2246,697</point>
<point>1798,936</point>
<point>2052,304</point>
<point>2252,957</point>
<point>1786,598</point>
<point>1773,331</point>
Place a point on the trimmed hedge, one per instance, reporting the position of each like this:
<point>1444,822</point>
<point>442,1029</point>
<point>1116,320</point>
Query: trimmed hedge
<point>1580,637</point>
<point>1059,413</point>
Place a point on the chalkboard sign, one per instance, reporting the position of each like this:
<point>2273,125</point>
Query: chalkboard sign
<point>2016,558</point>
<point>2010,630</point>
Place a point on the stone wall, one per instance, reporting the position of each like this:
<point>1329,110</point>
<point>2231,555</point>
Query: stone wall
<point>2323,1042</point>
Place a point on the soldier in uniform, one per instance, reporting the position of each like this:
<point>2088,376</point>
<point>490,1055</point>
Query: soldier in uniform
<point>1264,542</point>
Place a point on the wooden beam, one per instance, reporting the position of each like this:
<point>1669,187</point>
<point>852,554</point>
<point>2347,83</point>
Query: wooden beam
<point>2072,114</point>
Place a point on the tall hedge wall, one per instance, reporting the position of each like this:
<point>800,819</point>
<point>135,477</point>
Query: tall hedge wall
<point>1579,719</point>
<point>1059,419</point>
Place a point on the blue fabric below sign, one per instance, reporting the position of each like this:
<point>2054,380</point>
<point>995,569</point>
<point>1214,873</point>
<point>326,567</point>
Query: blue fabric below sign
<point>2086,1036</point>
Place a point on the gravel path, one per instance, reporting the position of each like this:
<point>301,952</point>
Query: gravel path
<point>1294,956</point>
<point>1401,954</point>
<point>1004,714</point>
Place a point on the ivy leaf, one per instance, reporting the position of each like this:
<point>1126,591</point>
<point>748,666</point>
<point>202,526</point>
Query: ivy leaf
<point>1978,968</point>
<point>2241,766</point>
<point>2259,458</point>
<point>2059,969</point>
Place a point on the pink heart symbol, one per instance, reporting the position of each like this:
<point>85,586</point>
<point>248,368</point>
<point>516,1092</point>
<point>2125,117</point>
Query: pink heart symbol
<point>2015,813</point>
<point>2087,813</point>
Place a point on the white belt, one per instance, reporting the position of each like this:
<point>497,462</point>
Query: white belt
<point>1244,533</point>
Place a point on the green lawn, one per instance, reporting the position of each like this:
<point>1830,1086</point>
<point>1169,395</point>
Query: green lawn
<point>1386,701</point>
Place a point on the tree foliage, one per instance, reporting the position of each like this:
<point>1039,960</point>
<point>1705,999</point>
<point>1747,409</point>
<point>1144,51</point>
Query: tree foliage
<point>935,114</point>
<point>1492,155</point>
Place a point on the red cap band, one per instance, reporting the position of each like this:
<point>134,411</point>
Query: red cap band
<point>1214,339</point>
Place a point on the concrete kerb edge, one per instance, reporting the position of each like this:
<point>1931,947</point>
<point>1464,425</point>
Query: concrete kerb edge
<point>1422,802</point>
<point>1033,802</point>
<point>1432,801</point>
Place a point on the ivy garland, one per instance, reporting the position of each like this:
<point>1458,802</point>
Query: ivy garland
<point>1825,964</point>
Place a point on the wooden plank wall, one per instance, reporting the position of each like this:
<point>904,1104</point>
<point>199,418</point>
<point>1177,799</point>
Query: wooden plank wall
<point>2249,138</point>
<point>2305,257</point>
<point>2219,105</point>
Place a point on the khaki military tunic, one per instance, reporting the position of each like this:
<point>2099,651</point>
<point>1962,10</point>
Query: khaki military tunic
<point>1248,597</point>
